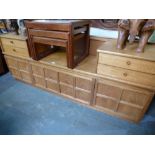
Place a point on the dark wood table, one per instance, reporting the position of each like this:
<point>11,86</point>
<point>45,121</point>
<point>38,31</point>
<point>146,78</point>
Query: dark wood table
<point>46,36</point>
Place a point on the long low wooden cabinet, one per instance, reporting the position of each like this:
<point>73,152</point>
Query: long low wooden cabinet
<point>106,95</point>
<point>116,96</point>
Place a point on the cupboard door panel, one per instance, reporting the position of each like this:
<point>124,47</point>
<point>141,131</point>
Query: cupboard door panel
<point>24,66</point>
<point>66,78</point>
<point>11,62</point>
<point>66,90</point>
<point>103,102</point>
<point>82,95</point>
<point>85,84</point>
<point>51,74</point>
<point>26,77</point>
<point>15,73</point>
<point>134,97</point>
<point>37,70</point>
<point>51,85</point>
<point>38,81</point>
<point>109,90</point>
<point>129,111</point>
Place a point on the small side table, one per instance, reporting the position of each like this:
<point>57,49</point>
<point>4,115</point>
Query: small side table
<point>45,36</point>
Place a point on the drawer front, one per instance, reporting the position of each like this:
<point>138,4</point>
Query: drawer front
<point>124,74</point>
<point>51,74</point>
<point>108,90</point>
<point>14,43</point>
<point>66,78</point>
<point>127,63</point>
<point>37,70</point>
<point>83,95</point>
<point>85,84</point>
<point>16,51</point>
<point>66,90</point>
<point>54,86</point>
<point>107,103</point>
<point>26,77</point>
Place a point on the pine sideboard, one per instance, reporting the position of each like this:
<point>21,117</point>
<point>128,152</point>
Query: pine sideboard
<point>85,84</point>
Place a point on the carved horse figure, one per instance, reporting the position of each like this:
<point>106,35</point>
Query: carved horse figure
<point>130,28</point>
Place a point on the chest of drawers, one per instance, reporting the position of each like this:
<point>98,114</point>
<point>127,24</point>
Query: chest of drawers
<point>128,66</point>
<point>14,45</point>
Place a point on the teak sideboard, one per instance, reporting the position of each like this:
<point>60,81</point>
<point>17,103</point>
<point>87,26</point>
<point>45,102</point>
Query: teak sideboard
<point>87,83</point>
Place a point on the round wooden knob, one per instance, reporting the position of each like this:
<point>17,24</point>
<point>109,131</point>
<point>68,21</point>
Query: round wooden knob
<point>128,63</point>
<point>14,50</point>
<point>125,74</point>
<point>11,42</point>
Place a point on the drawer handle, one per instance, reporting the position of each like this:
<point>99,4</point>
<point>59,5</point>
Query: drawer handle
<point>125,74</point>
<point>128,62</point>
<point>11,42</point>
<point>14,50</point>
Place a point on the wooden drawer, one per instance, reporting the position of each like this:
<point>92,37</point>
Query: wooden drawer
<point>14,43</point>
<point>51,85</point>
<point>127,75</point>
<point>67,90</point>
<point>108,90</point>
<point>127,63</point>
<point>66,78</point>
<point>15,73</point>
<point>37,70</point>
<point>103,102</point>
<point>38,81</point>
<point>135,97</point>
<point>51,74</point>
<point>24,65</point>
<point>83,95</point>
<point>11,62</point>
<point>16,51</point>
<point>85,84</point>
<point>26,77</point>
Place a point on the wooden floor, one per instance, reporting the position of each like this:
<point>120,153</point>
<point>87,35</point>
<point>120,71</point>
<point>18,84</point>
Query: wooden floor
<point>58,58</point>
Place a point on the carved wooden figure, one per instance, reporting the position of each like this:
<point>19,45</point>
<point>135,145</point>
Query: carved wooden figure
<point>130,28</point>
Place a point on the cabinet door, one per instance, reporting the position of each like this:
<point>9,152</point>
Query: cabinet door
<point>67,84</point>
<point>13,66</point>
<point>122,100</point>
<point>37,70</point>
<point>11,62</point>
<point>15,73</point>
<point>39,81</point>
<point>84,89</point>
<point>107,96</point>
<point>38,75</point>
<point>51,79</point>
